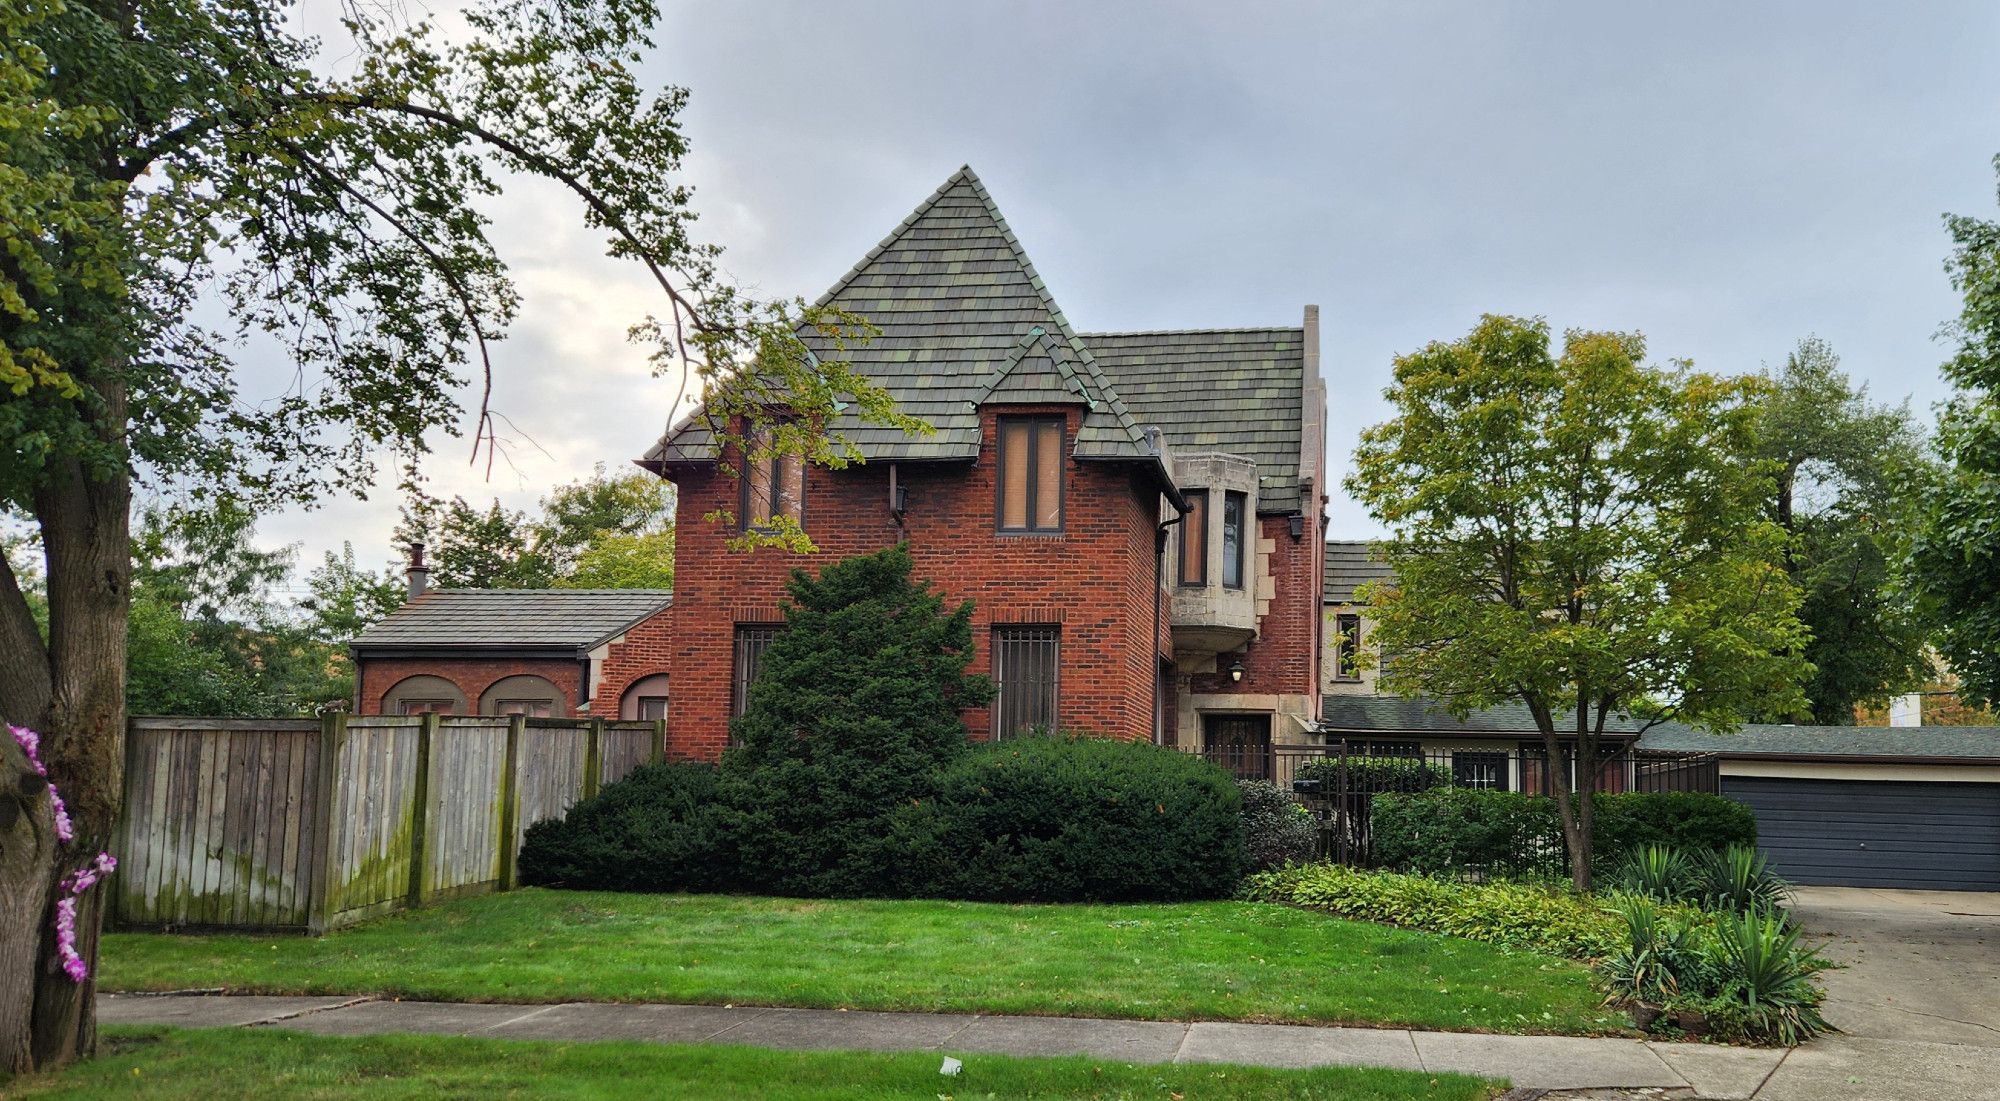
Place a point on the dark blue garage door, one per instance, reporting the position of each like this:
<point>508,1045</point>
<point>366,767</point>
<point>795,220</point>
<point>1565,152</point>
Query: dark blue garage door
<point>1862,833</point>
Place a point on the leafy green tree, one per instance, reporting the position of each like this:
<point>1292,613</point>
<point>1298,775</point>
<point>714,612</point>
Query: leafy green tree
<point>855,706</point>
<point>344,599</point>
<point>324,194</point>
<point>1955,558</point>
<point>597,532</point>
<point>471,548</point>
<point>1848,473</point>
<point>615,560</point>
<point>1580,534</point>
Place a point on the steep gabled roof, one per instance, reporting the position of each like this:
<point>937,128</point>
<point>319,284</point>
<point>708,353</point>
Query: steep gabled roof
<point>1232,390</point>
<point>552,619</point>
<point>963,319</point>
<point>1350,563</point>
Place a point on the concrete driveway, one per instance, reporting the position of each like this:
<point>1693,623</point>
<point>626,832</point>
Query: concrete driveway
<point>1921,965</point>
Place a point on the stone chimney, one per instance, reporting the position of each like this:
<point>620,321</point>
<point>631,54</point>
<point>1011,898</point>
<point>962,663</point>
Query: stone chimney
<point>418,574</point>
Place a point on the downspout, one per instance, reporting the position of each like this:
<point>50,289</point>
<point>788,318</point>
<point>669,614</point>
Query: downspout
<point>1179,504</point>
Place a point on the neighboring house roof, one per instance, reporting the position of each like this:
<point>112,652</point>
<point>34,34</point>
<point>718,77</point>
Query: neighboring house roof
<point>1968,744</point>
<point>1396,715</point>
<point>963,317</point>
<point>1402,715</point>
<point>1349,564</point>
<point>513,618</point>
<point>1237,391</point>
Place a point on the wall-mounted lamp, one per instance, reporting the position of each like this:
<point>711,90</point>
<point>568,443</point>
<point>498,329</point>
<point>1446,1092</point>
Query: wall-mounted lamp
<point>1236,672</point>
<point>1298,526</point>
<point>900,502</point>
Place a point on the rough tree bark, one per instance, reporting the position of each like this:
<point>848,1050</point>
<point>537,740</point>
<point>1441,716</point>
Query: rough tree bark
<point>72,691</point>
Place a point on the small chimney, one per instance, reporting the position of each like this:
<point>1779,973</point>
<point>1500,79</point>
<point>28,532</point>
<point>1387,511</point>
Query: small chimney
<point>1907,710</point>
<point>418,575</point>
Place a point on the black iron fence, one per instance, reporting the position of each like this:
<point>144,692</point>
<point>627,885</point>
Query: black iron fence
<point>1339,780</point>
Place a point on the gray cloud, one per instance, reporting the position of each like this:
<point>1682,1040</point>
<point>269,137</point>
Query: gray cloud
<point>1724,177</point>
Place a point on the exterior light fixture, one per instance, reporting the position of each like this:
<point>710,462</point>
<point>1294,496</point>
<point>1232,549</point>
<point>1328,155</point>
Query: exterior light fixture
<point>1236,672</point>
<point>1298,526</point>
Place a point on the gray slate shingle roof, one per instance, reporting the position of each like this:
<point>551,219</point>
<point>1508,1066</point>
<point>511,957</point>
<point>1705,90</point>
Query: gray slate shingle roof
<point>1420,716</point>
<point>1944,742</point>
<point>1350,563</point>
<point>548,618</point>
<point>962,316</point>
<point>1398,715</point>
<point>1231,390</point>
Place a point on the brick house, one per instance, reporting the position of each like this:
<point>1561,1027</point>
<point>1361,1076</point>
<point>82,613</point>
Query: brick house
<point>1137,516</point>
<point>545,652</point>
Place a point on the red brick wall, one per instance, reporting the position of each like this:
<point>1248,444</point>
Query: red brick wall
<point>473,676</point>
<point>643,653</point>
<point>1096,579</point>
<point>1283,659</point>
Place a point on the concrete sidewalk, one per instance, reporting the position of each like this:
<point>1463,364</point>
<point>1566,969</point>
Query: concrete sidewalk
<point>1830,1069</point>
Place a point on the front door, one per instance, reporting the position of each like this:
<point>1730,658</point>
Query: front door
<point>1239,743</point>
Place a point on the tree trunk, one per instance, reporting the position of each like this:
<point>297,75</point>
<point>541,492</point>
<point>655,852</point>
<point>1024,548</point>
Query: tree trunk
<point>78,707</point>
<point>1576,842</point>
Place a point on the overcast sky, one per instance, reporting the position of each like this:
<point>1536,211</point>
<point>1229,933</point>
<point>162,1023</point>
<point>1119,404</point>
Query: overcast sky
<point>1725,180</point>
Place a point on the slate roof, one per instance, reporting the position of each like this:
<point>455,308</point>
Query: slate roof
<point>1403,715</point>
<point>1349,563</point>
<point>963,316</point>
<point>1399,715</point>
<point>542,618</point>
<point>1231,390</point>
<point>1957,743</point>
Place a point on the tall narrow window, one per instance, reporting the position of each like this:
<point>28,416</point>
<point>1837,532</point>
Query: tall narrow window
<point>1233,505</point>
<point>1024,671</point>
<point>752,639</point>
<point>1030,482</point>
<point>773,485</point>
<point>1346,647</point>
<point>1194,539</point>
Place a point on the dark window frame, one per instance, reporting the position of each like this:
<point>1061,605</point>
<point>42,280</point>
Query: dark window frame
<point>751,640</point>
<point>1199,513</point>
<point>425,706</point>
<point>1033,422</point>
<point>639,706</point>
<point>1347,647</point>
<point>527,705</point>
<point>777,465</point>
<point>1463,764</point>
<point>1008,644</point>
<point>1241,503</point>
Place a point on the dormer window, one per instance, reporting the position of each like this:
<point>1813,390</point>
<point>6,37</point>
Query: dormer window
<point>1030,482</point>
<point>1194,539</point>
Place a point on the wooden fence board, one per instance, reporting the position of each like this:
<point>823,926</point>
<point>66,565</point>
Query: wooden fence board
<point>252,823</point>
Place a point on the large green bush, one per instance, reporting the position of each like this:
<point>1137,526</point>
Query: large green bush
<point>654,830</point>
<point>1062,819</point>
<point>1449,829</point>
<point>1517,915</point>
<point>855,709</point>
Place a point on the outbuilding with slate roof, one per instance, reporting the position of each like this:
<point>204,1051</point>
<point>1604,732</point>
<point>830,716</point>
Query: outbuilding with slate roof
<point>1136,516</point>
<point>543,652</point>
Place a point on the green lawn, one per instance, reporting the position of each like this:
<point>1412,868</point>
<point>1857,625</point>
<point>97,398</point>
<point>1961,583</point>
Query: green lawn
<point>1200,961</point>
<point>204,1065</point>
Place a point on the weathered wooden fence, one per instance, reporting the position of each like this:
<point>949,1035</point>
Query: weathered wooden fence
<point>309,824</point>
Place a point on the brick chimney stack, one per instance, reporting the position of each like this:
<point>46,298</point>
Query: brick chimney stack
<point>418,574</point>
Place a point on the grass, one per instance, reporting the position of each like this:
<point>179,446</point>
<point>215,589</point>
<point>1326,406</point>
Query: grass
<point>1189,961</point>
<point>201,1065</point>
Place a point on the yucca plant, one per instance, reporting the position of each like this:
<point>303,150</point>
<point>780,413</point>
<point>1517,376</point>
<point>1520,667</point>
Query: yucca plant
<point>1767,977</point>
<point>1739,880</point>
<point>1660,872</point>
<point>1664,955</point>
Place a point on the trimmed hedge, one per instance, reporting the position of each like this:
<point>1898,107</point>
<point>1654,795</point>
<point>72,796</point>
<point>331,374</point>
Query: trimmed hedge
<point>654,830</point>
<point>1446,829</point>
<point>1368,773</point>
<point>1515,915</point>
<point>1073,819</point>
